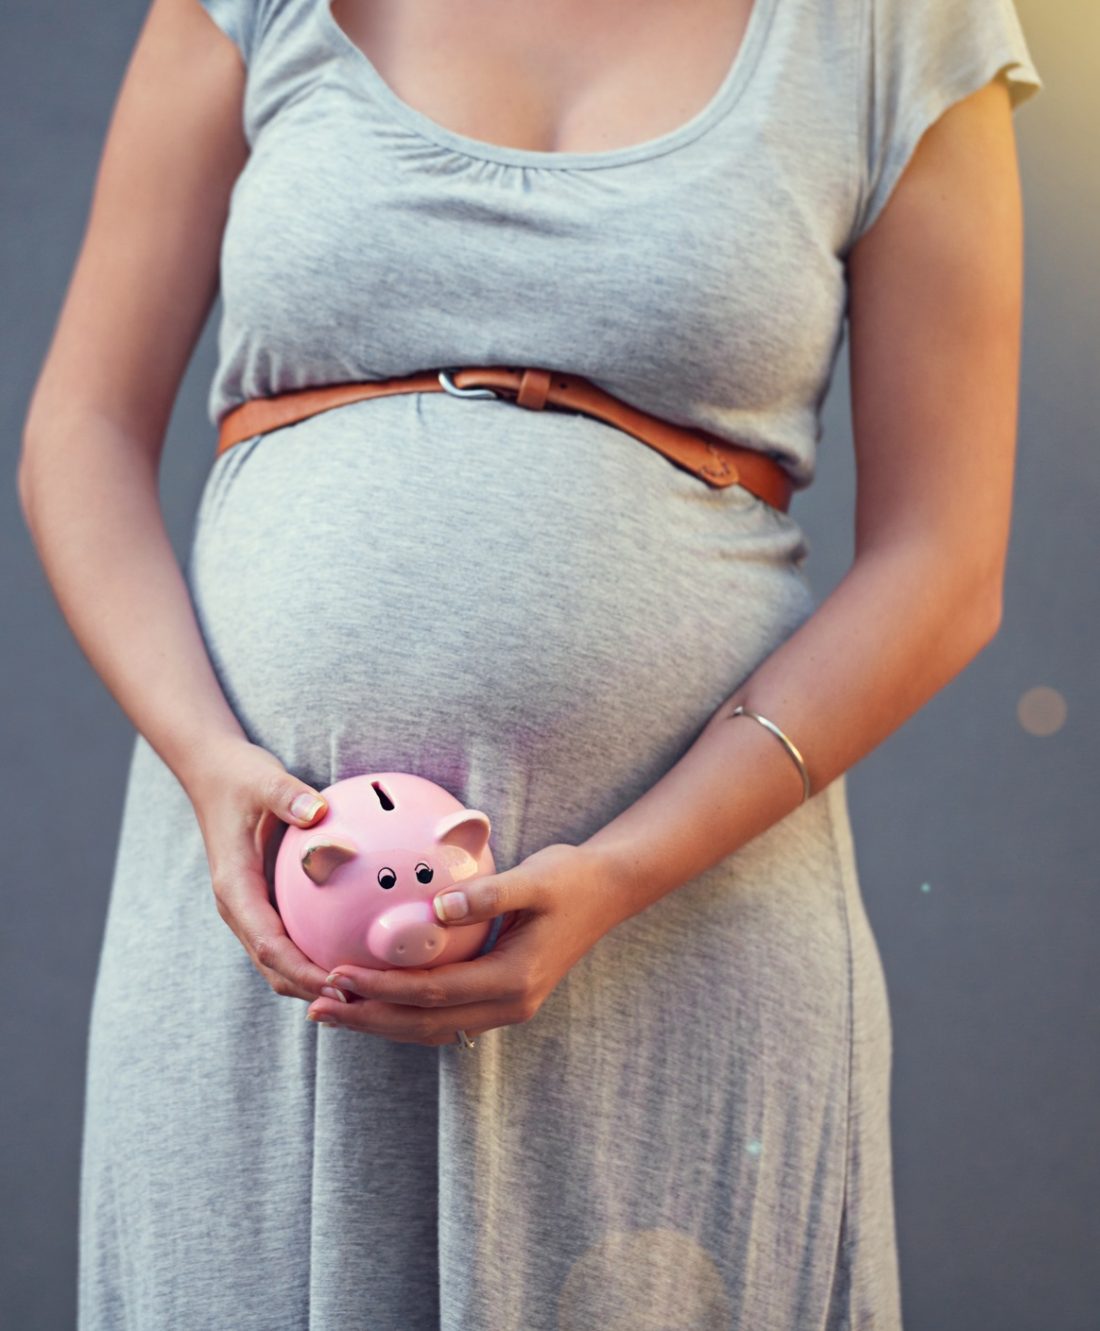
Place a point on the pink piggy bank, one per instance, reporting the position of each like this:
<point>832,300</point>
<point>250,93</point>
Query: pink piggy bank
<point>357,886</point>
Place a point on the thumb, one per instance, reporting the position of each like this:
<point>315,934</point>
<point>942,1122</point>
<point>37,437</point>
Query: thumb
<point>295,801</point>
<point>484,898</point>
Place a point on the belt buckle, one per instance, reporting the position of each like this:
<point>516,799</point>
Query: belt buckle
<point>444,377</point>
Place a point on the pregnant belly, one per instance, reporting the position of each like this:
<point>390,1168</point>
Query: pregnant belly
<point>422,573</point>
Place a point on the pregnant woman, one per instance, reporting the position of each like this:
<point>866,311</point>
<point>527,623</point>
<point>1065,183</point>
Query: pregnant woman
<point>672,1106</point>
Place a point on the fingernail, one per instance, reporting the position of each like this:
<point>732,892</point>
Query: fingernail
<point>306,805</point>
<point>340,982</point>
<point>330,992</point>
<point>451,905</point>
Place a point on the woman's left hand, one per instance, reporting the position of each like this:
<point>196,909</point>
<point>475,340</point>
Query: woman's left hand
<point>558,903</point>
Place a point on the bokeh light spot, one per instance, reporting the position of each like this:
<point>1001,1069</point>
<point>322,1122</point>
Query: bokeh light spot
<point>1041,710</point>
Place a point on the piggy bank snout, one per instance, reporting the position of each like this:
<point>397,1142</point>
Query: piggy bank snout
<point>407,935</point>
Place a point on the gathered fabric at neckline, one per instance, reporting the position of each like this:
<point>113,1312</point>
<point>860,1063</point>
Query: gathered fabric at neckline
<point>365,74</point>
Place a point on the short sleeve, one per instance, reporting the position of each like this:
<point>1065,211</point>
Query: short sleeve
<point>920,57</point>
<point>238,20</point>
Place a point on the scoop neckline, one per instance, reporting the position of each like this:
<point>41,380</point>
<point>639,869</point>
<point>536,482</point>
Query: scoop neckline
<point>724,97</point>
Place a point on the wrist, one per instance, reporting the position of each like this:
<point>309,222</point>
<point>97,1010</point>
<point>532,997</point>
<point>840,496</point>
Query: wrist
<point>204,756</point>
<point>616,864</point>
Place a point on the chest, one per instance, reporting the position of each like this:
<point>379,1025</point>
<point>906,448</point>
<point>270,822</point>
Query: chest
<point>676,249</point>
<point>551,75</point>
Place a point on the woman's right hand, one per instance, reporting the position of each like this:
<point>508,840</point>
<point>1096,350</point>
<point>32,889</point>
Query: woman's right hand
<point>240,795</point>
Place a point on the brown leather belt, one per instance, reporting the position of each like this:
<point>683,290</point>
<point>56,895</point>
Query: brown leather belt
<point>712,459</point>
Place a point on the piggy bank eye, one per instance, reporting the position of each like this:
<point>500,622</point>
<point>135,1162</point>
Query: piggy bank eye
<point>386,878</point>
<point>424,873</point>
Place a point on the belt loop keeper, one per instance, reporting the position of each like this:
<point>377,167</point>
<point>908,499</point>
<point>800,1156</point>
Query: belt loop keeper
<point>717,461</point>
<point>533,389</point>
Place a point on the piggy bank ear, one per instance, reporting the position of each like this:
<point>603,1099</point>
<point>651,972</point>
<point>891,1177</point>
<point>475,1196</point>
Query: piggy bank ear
<point>320,858</point>
<point>467,828</point>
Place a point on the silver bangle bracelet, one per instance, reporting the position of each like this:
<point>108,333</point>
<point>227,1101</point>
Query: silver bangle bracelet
<point>741,710</point>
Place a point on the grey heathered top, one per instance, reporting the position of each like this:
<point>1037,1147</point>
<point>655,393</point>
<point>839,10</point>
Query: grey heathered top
<point>698,275</point>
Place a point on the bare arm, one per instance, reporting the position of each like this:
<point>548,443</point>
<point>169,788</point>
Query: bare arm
<point>140,293</point>
<point>935,306</point>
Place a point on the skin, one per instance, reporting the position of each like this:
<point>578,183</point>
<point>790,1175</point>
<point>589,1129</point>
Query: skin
<point>488,69</point>
<point>935,295</point>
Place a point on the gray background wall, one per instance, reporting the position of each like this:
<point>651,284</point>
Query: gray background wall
<point>976,836</point>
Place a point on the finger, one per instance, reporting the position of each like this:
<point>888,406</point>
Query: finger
<point>485,898</point>
<point>278,798</point>
<point>244,905</point>
<point>413,1026</point>
<point>279,984</point>
<point>292,800</point>
<point>491,978</point>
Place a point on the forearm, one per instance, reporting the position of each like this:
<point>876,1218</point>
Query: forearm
<point>901,625</point>
<point>91,503</point>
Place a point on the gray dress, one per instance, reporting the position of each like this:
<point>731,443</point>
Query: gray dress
<point>539,613</point>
